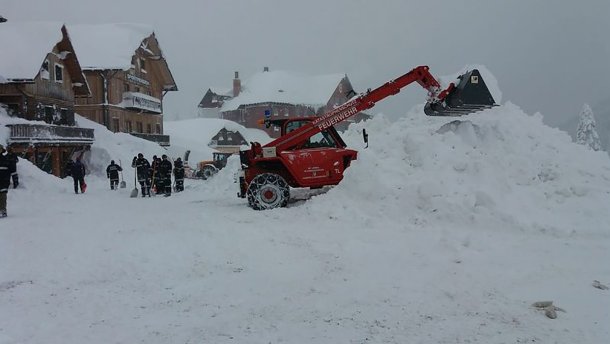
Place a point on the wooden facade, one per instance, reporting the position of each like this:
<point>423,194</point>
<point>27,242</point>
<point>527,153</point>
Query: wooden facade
<point>131,101</point>
<point>48,97</point>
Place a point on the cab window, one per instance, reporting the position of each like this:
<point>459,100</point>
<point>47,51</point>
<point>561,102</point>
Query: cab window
<point>294,125</point>
<point>321,139</point>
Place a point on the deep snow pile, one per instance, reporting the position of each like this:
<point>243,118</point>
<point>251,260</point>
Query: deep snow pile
<point>497,165</point>
<point>193,135</point>
<point>441,232</point>
<point>120,147</point>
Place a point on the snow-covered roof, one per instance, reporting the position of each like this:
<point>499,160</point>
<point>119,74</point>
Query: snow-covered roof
<point>222,91</point>
<point>285,87</point>
<point>107,46</point>
<point>24,46</point>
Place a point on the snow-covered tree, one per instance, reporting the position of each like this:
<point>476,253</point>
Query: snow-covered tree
<point>586,133</point>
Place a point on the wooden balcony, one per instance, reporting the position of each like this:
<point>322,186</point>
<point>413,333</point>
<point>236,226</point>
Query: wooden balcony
<point>143,102</point>
<point>162,140</point>
<point>53,134</point>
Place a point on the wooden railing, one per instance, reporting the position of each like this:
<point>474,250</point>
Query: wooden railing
<point>49,133</point>
<point>162,140</point>
<point>140,101</point>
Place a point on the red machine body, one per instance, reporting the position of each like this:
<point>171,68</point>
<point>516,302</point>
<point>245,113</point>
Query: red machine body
<point>310,152</point>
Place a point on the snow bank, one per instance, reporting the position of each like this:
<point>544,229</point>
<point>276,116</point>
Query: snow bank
<point>120,147</point>
<point>497,165</point>
<point>185,135</point>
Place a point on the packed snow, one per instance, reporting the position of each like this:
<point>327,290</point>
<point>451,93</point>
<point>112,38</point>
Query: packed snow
<point>443,231</point>
<point>285,87</point>
<point>107,46</point>
<point>28,44</point>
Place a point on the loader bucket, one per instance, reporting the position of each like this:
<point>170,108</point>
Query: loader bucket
<point>470,95</point>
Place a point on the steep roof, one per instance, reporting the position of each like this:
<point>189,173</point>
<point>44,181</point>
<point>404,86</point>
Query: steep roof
<point>226,138</point>
<point>112,47</point>
<point>285,87</point>
<point>107,46</point>
<point>24,47</point>
<point>221,91</point>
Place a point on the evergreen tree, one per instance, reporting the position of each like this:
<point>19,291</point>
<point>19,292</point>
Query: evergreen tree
<point>586,133</point>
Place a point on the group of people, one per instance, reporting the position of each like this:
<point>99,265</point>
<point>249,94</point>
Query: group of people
<point>8,173</point>
<point>158,175</point>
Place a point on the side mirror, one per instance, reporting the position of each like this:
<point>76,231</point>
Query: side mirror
<point>365,136</point>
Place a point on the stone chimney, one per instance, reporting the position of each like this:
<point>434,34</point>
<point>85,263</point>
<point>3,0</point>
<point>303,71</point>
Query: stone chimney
<point>265,69</point>
<point>236,85</point>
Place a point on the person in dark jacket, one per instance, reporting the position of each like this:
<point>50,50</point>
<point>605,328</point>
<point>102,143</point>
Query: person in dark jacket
<point>5,180</point>
<point>142,167</point>
<point>112,172</point>
<point>13,160</point>
<point>179,175</point>
<point>156,184</point>
<point>165,175</point>
<point>68,167</point>
<point>78,174</point>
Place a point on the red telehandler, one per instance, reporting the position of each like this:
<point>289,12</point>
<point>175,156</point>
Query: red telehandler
<point>310,152</point>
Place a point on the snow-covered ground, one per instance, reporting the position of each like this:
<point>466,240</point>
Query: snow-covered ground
<point>441,232</point>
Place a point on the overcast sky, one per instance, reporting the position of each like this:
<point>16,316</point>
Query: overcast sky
<point>548,56</point>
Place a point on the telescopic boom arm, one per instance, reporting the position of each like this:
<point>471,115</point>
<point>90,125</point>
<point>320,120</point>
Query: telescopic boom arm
<point>362,102</point>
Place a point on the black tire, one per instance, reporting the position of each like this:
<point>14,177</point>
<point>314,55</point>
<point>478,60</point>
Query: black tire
<point>208,171</point>
<point>268,191</point>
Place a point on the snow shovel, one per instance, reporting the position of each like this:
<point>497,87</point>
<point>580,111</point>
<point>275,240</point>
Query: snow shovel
<point>123,184</point>
<point>134,192</point>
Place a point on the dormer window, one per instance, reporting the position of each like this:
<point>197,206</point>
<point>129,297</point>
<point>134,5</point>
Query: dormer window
<point>59,73</point>
<point>44,70</point>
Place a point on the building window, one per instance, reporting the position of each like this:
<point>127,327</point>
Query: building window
<point>44,70</point>
<point>59,73</point>
<point>13,109</point>
<point>49,113</point>
<point>128,126</point>
<point>115,125</point>
<point>158,128</point>
<point>149,128</point>
<point>139,127</point>
<point>64,116</point>
<point>125,87</point>
<point>142,65</point>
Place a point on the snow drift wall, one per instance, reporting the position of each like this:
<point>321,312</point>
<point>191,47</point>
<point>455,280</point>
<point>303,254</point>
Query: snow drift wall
<point>500,164</point>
